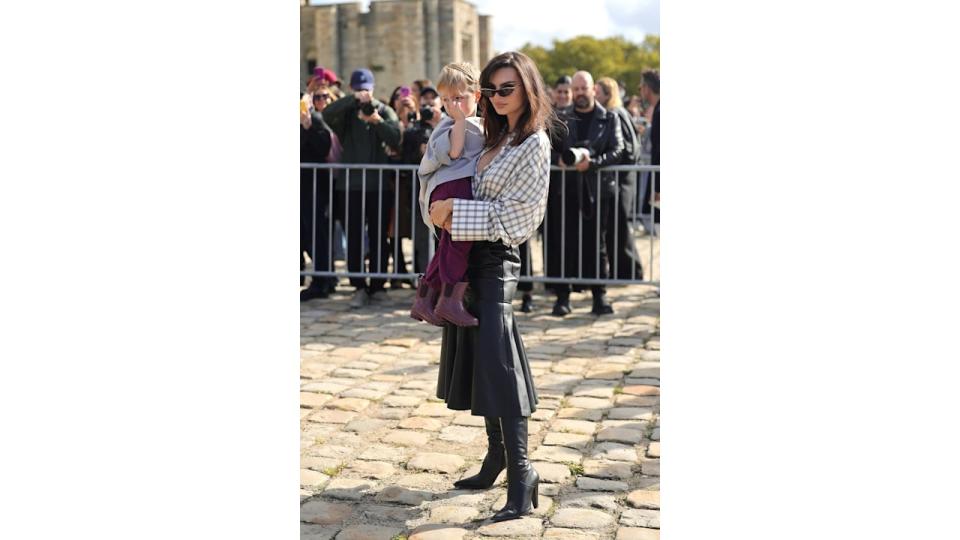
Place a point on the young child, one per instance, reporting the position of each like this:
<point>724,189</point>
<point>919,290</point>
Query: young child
<point>446,171</point>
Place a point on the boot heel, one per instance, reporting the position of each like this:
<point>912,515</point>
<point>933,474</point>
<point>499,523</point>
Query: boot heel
<point>536,495</point>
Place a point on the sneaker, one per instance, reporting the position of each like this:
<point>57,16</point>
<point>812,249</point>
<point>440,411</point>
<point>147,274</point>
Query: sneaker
<point>360,298</point>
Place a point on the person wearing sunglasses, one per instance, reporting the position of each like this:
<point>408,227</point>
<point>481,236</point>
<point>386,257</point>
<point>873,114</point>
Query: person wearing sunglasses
<point>316,141</point>
<point>484,368</point>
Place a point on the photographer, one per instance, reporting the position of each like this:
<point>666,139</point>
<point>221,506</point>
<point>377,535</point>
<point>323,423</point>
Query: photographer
<point>365,127</point>
<point>414,146</point>
<point>593,140</point>
<point>315,144</point>
<point>403,102</point>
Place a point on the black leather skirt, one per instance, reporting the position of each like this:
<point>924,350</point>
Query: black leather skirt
<point>484,368</point>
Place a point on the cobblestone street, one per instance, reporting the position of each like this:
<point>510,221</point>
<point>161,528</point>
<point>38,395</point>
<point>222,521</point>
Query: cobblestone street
<point>380,453</point>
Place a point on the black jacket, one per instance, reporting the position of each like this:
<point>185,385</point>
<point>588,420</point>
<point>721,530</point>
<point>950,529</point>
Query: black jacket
<point>655,137</point>
<point>572,203</point>
<point>604,139</point>
<point>315,142</point>
<point>362,142</point>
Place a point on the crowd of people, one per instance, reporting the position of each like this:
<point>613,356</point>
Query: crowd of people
<point>351,126</point>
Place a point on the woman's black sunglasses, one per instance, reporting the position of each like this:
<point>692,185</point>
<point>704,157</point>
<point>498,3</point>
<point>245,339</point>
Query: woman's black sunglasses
<point>504,91</point>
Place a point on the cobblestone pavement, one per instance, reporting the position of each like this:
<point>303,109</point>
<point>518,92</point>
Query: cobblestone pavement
<point>380,453</point>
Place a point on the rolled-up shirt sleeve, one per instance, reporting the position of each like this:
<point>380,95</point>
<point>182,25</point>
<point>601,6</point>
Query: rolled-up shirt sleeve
<point>514,214</point>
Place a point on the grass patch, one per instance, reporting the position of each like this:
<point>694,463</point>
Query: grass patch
<point>333,471</point>
<point>553,510</point>
<point>399,537</point>
<point>618,389</point>
<point>575,468</point>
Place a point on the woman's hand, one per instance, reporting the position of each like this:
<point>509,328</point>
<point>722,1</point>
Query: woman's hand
<point>306,120</point>
<point>441,212</point>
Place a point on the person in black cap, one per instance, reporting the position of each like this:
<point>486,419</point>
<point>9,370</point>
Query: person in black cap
<point>364,127</point>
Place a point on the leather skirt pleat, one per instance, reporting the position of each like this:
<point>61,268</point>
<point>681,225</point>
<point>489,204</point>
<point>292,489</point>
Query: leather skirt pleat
<point>484,369</point>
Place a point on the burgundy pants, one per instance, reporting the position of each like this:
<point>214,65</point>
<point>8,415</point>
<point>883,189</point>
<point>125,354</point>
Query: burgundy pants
<point>449,263</point>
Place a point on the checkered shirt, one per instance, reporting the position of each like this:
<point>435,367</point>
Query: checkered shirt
<point>510,196</point>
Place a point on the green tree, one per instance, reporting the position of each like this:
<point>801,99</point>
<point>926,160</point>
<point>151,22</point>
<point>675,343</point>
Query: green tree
<point>614,57</point>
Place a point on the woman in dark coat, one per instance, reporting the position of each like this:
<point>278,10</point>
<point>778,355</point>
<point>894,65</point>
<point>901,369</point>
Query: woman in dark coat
<point>315,142</point>
<point>484,369</point>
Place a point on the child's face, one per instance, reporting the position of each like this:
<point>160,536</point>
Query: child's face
<point>452,98</point>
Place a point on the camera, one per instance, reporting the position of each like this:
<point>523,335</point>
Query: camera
<point>572,156</point>
<point>411,117</point>
<point>367,108</point>
<point>426,114</point>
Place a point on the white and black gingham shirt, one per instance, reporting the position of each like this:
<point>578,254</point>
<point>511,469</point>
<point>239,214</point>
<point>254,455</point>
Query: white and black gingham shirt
<point>510,195</point>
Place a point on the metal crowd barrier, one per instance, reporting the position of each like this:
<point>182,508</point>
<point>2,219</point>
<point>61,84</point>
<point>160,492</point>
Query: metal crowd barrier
<point>324,177</point>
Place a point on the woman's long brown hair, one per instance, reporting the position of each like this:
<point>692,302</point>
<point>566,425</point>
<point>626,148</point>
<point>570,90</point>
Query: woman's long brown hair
<point>538,114</point>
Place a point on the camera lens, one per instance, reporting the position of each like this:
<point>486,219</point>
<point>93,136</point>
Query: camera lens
<point>426,113</point>
<point>367,108</point>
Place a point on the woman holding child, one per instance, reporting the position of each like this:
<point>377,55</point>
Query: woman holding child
<point>485,183</point>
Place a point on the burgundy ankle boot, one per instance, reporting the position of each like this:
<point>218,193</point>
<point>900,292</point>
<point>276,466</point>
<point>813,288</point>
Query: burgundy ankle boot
<point>426,298</point>
<point>450,305</point>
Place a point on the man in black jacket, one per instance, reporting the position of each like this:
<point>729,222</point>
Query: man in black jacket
<point>583,200</point>
<point>314,218</point>
<point>365,126</point>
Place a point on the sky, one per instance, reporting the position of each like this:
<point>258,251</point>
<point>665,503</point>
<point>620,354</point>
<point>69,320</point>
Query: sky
<point>516,22</point>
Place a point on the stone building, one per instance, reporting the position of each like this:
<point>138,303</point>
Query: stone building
<point>399,40</point>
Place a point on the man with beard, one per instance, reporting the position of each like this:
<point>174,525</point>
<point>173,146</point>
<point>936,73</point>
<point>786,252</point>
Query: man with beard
<point>594,134</point>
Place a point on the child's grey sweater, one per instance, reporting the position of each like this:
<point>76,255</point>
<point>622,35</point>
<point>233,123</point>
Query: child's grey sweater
<point>436,167</point>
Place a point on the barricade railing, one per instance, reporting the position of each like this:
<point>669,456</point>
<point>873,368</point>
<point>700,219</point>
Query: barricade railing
<point>595,209</point>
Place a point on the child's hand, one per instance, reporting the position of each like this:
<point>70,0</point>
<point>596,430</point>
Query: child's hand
<point>456,108</point>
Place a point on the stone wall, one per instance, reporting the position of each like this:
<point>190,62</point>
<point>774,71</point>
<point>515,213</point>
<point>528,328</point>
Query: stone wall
<point>399,40</point>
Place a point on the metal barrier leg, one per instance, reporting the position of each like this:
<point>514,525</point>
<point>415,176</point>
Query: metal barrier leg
<point>330,217</point>
<point>599,220</point>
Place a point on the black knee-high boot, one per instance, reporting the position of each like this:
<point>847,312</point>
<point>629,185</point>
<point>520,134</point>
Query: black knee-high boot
<point>523,482</point>
<point>493,462</point>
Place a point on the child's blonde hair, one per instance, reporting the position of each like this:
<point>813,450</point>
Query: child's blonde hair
<point>459,76</point>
